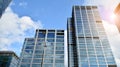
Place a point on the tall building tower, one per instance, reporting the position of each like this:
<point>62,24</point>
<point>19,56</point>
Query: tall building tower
<point>8,59</point>
<point>46,49</point>
<point>88,45</point>
<point>117,18</point>
<point>3,5</point>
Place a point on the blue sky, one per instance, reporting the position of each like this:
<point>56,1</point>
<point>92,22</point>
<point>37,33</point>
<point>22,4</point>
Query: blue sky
<point>22,17</point>
<point>52,14</point>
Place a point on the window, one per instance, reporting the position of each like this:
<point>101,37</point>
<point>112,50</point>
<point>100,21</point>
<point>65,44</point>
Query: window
<point>28,51</point>
<point>82,7</point>
<point>59,48</point>
<point>102,66</point>
<point>38,52</point>
<point>102,62</point>
<point>25,65</point>
<point>30,40</point>
<point>36,65</point>
<point>59,61</point>
<point>49,52</point>
<point>59,65</point>
<point>41,35</point>
<point>59,57</point>
<point>59,44</point>
<point>81,40</point>
<point>93,66</point>
<point>30,43</point>
<point>49,56</point>
<point>48,65</point>
<point>37,60</point>
<point>37,56</point>
<point>59,52</point>
<point>29,47</point>
<point>48,60</point>
<point>60,36</point>
<point>59,40</point>
<point>26,60</point>
<point>27,55</point>
<point>51,35</point>
<point>50,40</point>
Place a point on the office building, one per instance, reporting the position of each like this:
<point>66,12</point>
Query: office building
<point>117,17</point>
<point>88,45</point>
<point>8,59</point>
<point>3,5</point>
<point>46,49</point>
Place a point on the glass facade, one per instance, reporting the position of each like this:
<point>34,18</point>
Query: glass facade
<point>8,59</point>
<point>88,45</point>
<point>3,5</point>
<point>45,50</point>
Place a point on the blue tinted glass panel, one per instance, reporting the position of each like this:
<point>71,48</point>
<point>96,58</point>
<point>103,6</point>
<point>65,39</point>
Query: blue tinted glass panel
<point>59,52</point>
<point>41,35</point>
<point>31,40</point>
<point>26,60</point>
<point>37,60</point>
<point>25,65</point>
<point>48,60</point>
<point>36,65</point>
<point>59,65</point>
<point>27,55</point>
<point>37,56</point>
<point>50,40</point>
<point>93,66</point>
<point>59,56</point>
<point>28,51</point>
<point>59,44</point>
<point>60,40</point>
<point>59,48</point>
<point>59,61</point>
<point>51,35</point>
<point>29,47</point>
<point>47,65</point>
<point>60,36</point>
<point>38,52</point>
<point>102,66</point>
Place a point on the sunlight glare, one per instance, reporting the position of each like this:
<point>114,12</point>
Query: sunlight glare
<point>112,16</point>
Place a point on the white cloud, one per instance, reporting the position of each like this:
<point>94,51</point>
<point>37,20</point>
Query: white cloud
<point>13,29</point>
<point>23,4</point>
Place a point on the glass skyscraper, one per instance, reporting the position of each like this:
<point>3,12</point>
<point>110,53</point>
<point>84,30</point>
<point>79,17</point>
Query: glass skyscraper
<point>46,49</point>
<point>8,59</point>
<point>117,17</point>
<point>3,6</point>
<point>88,45</point>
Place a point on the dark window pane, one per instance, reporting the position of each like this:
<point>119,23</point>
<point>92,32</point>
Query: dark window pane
<point>41,35</point>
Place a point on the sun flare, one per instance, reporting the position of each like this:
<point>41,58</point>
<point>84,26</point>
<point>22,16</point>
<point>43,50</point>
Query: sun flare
<point>112,16</point>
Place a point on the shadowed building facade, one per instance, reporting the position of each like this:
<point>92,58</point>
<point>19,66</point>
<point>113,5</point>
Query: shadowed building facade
<point>8,59</point>
<point>46,49</point>
<point>88,45</point>
<point>3,5</point>
<point>117,18</point>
